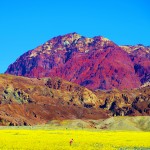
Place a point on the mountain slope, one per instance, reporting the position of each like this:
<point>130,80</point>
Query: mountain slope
<point>96,63</point>
<point>25,101</point>
<point>134,102</point>
<point>140,56</point>
<point>28,101</point>
<point>136,123</point>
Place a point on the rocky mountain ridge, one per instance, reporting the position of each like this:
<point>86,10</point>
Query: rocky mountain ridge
<point>96,63</point>
<point>140,56</point>
<point>29,101</point>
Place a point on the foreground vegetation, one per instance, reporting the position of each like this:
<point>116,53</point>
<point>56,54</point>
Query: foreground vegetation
<point>58,139</point>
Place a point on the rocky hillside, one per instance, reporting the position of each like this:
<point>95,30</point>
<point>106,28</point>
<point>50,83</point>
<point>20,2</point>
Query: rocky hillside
<point>134,102</point>
<point>140,56</point>
<point>96,63</point>
<point>25,101</point>
<point>28,101</point>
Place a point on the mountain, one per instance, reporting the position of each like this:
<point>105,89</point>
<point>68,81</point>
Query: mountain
<point>95,63</point>
<point>140,56</point>
<point>135,102</point>
<point>29,101</point>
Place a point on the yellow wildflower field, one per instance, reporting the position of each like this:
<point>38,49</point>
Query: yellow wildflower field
<point>53,139</point>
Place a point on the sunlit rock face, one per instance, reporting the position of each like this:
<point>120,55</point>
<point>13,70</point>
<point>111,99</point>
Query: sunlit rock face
<point>140,56</point>
<point>30,101</point>
<point>96,63</point>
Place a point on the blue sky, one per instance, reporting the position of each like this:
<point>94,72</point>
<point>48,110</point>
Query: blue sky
<point>25,24</point>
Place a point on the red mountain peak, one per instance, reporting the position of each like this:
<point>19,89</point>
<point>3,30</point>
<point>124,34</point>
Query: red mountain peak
<point>96,63</point>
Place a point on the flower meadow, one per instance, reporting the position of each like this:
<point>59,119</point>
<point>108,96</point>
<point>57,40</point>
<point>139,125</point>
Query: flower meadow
<point>53,139</point>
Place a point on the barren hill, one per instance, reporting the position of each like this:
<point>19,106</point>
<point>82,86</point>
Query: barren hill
<point>28,101</point>
<point>96,63</point>
<point>25,101</point>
